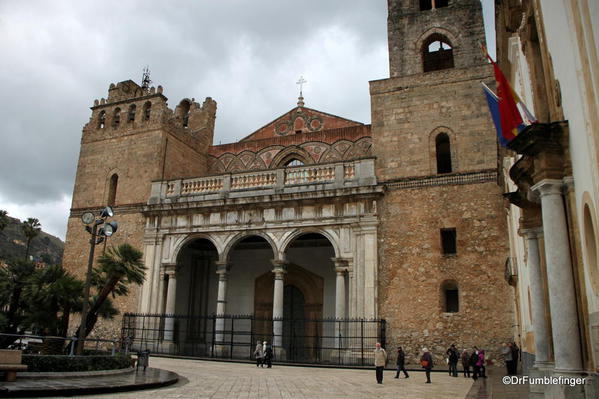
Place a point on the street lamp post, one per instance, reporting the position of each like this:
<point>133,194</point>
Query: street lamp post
<point>97,236</point>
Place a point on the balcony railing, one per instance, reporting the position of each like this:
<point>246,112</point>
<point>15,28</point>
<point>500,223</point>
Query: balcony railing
<point>292,179</point>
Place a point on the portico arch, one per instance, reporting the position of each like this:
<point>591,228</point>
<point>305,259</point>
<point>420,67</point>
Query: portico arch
<point>331,236</point>
<point>236,239</point>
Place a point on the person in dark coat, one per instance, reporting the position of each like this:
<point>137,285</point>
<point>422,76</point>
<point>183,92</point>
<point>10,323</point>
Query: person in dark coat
<point>452,360</point>
<point>466,363</point>
<point>515,358</point>
<point>268,355</point>
<point>401,361</point>
<point>474,364</point>
<point>481,363</point>
<point>426,361</point>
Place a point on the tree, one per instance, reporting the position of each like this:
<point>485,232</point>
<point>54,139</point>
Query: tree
<point>3,219</point>
<point>50,296</point>
<point>117,269</point>
<point>14,277</point>
<point>31,228</point>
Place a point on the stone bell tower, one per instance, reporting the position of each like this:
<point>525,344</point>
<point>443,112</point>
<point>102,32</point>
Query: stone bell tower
<point>133,138</point>
<point>442,262</point>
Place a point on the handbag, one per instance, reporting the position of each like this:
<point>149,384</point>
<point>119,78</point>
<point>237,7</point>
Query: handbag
<point>424,363</point>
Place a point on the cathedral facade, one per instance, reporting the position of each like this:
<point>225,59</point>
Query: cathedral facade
<point>314,231</point>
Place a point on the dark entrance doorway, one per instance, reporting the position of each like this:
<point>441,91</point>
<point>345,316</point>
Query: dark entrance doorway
<point>294,324</point>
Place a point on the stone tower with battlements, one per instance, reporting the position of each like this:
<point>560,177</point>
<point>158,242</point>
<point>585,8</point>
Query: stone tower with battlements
<point>132,139</point>
<point>443,250</point>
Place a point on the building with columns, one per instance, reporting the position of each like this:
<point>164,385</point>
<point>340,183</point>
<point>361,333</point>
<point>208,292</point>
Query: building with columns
<point>315,232</point>
<point>548,50</point>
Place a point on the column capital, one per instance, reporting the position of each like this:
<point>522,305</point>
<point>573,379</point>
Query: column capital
<point>169,269</point>
<point>548,187</point>
<point>532,233</point>
<point>341,263</point>
<point>279,268</point>
<point>340,271</point>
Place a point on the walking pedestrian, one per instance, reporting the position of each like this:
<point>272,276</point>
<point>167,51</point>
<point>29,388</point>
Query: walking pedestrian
<point>452,360</point>
<point>401,361</point>
<point>268,355</point>
<point>466,363</point>
<point>380,360</point>
<point>481,361</point>
<point>426,361</point>
<point>474,364</point>
<point>506,351</point>
<point>515,358</point>
<point>259,355</point>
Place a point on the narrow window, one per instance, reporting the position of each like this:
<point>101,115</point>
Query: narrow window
<point>450,297</point>
<point>116,118</point>
<point>147,111</point>
<point>131,113</point>
<point>102,120</point>
<point>443,152</point>
<point>448,241</point>
<point>437,54</point>
<point>426,5</point>
<point>114,181</point>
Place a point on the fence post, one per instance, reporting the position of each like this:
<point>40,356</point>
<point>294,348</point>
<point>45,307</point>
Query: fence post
<point>383,333</point>
<point>73,343</point>
<point>362,341</point>
<point>213,333</point>
<point>232,333</point>
<point>251,336</point>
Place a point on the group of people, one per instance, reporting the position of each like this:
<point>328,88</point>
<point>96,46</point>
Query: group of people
<point>511,354</point>
<point>263,354</point>
<point>474,360</point>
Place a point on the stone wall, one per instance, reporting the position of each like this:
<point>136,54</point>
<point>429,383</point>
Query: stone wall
<point>412,268</point>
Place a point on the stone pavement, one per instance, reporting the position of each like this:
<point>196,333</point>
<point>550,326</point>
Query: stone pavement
<point>215,380</point>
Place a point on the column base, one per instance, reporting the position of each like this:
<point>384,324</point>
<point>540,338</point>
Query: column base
<point>565,391</point>
<point>539,370</point>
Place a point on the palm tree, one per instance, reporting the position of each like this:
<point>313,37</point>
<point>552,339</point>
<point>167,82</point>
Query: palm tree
<point>50,296</point>
<point>3,219</point>
<point>117,268</point>
<point>14,276</point>
<point>31,228</point>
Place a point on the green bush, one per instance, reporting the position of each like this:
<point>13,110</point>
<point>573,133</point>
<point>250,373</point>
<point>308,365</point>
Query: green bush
<point>57,363</point>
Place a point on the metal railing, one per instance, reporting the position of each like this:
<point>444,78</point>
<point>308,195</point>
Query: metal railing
<point>51,345</point>
<point>320,341</point>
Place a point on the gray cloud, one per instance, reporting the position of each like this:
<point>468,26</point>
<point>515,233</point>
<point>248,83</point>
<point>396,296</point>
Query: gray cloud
<point>59,56</point>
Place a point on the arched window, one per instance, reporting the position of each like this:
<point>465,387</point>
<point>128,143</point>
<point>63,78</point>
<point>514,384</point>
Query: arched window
<point>114,182</point>
<point>450,297</point>
<point>102,120</point>
<point>131,113</point>
<point>443,153</point>
<point>591,248</point>
<point>184,107</point>
<point>116,118</point>
<point>437,54</point>
<point>294,162</point>
<point>147,111</point>
<point>432,4</point>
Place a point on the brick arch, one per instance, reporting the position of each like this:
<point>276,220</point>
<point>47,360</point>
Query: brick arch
<point>433,151</point>
<point>289,153</point>
<point>435,32</point>
<point>108,179</point>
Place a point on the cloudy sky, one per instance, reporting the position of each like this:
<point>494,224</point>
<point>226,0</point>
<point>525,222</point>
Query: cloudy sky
<point>58,56</point>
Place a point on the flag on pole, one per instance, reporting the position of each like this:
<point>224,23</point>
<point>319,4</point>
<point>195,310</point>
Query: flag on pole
<point>506,108</point>
<point>493,102</point>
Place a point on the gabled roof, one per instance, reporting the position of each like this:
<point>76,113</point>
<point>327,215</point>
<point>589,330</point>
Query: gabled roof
<point>300,120</point>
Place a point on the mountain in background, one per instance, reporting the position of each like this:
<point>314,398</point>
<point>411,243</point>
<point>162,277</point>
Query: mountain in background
<point>44,248</point>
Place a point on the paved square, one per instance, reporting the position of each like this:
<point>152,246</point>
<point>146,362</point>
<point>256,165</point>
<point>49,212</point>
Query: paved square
<point>203,379</point>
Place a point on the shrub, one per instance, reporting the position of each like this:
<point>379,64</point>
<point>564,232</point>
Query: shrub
<point>57,363</point>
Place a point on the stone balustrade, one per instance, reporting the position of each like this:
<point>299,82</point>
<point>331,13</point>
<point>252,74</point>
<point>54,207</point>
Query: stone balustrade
<point>277,181</point>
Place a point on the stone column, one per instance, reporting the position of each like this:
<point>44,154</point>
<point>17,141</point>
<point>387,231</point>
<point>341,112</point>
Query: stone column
<point>562,294</point>
<point>340,270</point>
<point>171,296</point>
<point>222,270</point>
<point>279,271</point>
<point>537,297</point>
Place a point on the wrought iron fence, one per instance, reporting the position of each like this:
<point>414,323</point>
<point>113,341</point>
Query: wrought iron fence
<point>322,341</point>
